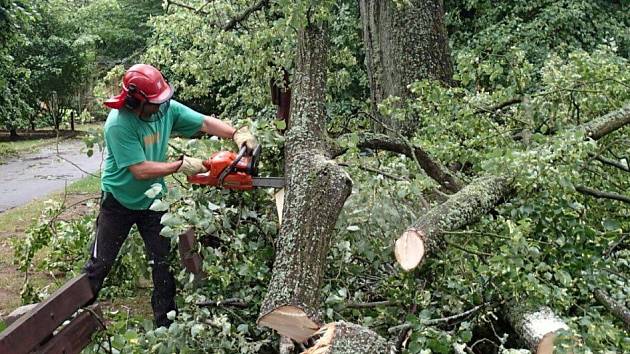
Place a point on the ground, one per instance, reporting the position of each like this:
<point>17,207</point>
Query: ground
<point>16,222</point>
<point>13,226</point>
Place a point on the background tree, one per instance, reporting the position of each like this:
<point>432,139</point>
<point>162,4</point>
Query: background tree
<point>404,42</point>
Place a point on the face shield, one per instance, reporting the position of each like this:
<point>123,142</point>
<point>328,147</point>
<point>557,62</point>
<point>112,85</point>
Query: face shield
<point>159,114</point>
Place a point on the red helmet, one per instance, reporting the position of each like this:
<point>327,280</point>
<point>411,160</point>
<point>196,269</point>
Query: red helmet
<point>143,83</point>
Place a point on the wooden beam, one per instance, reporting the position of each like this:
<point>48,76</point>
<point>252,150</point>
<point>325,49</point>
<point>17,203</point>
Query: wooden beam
<point>37,325</point>
<point>190,259</point>
<point>76,335</point>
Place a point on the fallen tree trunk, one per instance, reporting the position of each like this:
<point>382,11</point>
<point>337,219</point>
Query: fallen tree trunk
<point>478,198</point>
<point>348,338</point>
<point>459,210</point>
<point>616,308</point>
<point>537,328</point>
<point>316,190</point>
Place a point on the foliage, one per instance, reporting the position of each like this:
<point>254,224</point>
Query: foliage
<point>14,16</point>
<point>521,91</point>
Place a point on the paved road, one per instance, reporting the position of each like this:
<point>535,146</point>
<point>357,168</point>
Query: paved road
<point>38,174</point>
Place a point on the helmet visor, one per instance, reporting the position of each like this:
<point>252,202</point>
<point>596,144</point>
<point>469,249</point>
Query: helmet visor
<point>163,96</point>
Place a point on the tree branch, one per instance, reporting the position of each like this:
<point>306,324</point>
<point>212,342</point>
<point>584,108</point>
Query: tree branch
<point>432,168</point>
<point>185,6</point>
<point>233,302</point>
<point>500,106</point>
<point>367,305</point>
<point>599,127</point>
<point>374,170</point>
<point>242,17</point>
<point>616,308</point>
<point>436,321</point>
<point>602,194</point>
<point>610,162</point>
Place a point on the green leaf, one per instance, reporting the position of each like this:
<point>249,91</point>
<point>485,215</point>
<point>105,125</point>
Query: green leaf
<point>154,191</point>
<point>159,205</point>
<point>611,224</point>
<point>280,124</point>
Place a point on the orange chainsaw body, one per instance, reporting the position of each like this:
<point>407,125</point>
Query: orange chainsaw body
<point>240,178</point>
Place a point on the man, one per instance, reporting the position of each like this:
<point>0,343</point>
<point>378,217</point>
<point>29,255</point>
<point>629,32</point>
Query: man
<point>136,134</point>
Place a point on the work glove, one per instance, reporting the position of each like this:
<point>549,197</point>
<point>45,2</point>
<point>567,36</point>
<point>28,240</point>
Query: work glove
<point>244,137</point>
<point>191,166</point>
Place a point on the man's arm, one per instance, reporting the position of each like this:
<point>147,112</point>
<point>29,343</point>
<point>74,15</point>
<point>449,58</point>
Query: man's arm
<point>153,169</point>
<point>217,127</point>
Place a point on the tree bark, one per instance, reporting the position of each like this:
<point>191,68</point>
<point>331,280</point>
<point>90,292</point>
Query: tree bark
<point>404,43</point>
<point>13,135</point>
<point>537,327</point>
<point>616,308</point>
<point>597,128</point>
<point>316,191</point>
<point>478,198</point>
<point>348,338</point>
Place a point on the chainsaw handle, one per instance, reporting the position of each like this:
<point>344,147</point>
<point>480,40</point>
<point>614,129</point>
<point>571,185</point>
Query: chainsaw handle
<point>232,167</point>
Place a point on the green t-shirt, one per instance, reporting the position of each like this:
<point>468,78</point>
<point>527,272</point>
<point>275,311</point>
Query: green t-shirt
<point>131,140</point>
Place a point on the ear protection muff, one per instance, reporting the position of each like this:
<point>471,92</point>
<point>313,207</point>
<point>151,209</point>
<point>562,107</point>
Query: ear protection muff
<point>135,98</point>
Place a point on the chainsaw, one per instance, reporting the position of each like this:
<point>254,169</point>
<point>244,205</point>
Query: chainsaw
<point>229,170</point>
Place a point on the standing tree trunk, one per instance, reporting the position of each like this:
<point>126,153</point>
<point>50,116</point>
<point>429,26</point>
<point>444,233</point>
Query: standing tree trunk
<point>404,43</point>
<point>316,190</point>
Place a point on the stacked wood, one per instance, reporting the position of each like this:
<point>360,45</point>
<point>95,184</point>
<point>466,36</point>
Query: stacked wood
<point>537,328</point>
<point>349,338</point>
<point>316,190</point>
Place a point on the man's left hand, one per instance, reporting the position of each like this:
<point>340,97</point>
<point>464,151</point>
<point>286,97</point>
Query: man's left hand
<point>244,137</point>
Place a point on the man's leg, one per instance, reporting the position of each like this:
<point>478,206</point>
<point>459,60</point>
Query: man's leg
<point>112,227</point>
<point>158,251</point>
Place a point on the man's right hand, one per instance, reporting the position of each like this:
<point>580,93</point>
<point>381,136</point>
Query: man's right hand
<point>191,166</point>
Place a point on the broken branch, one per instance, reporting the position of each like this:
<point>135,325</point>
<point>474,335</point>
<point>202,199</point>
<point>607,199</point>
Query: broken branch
<point>461,209</point>
<point>538,328</point>
<point>432,168</point>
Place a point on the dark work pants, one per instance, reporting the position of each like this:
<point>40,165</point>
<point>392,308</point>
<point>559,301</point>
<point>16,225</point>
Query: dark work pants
<point>112,228</point>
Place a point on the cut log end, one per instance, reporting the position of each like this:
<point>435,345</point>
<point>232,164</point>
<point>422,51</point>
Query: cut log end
<point>324,343</point>
<point>290,321</point>
<point>279,197</point>
<point>348,338</point>
<point>546,344</point>
<point>409,249</point>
